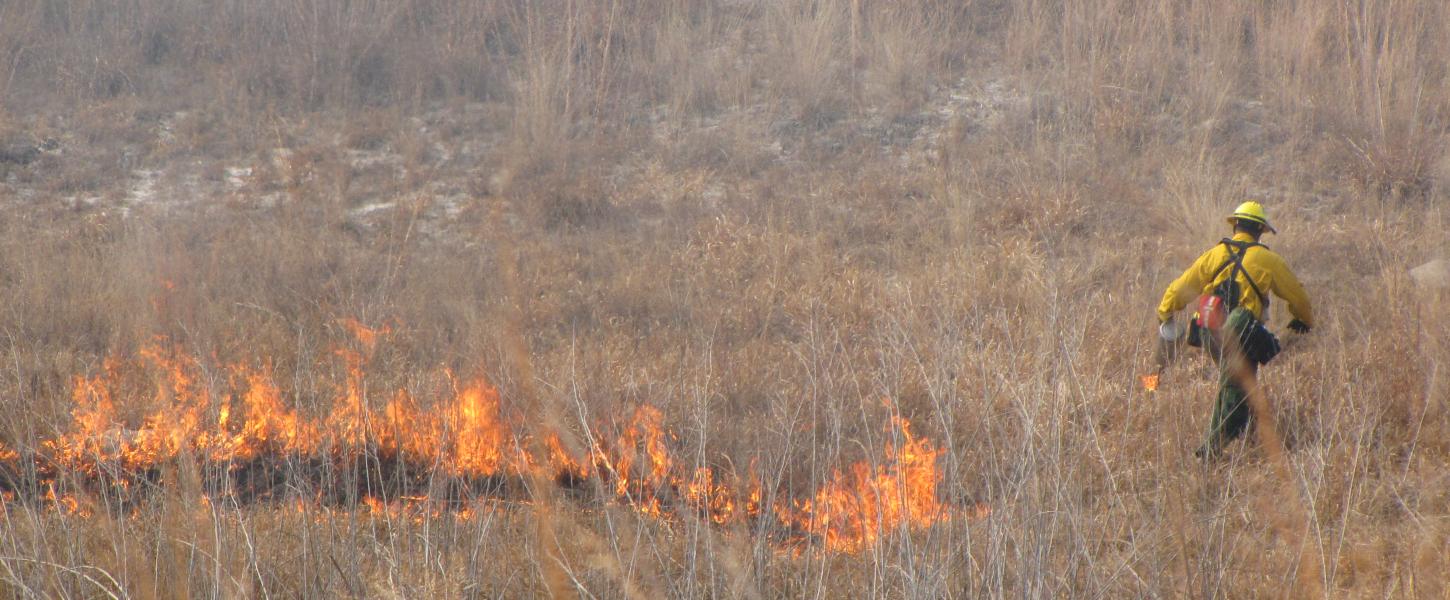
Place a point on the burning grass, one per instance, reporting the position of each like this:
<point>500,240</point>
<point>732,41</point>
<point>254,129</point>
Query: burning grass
<point>648,267</point>
<point>137,417</point>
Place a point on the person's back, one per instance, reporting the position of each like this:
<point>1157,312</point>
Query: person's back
<point>1241,273</point>
<point>1262,268</point>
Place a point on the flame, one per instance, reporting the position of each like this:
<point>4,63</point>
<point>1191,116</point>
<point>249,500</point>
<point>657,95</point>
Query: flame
<point>134,416</point>
<point>480,441</point>
<point>563,460</point>
<point>858,506</point>
<point>640,463</point>
<point>268,425</point>
<point>1150,382</point>
<point>367,336</point>
<point>67,504</point>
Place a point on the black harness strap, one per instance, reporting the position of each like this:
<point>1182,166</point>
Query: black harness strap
<point>1236,259</point>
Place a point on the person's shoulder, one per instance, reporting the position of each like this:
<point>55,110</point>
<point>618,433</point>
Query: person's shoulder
<point>1266,254</point>
<point>1219,248</point>
<point>1216,250</point>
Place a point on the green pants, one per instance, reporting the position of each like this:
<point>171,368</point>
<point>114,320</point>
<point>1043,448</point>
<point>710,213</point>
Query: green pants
<point>1231,410</point>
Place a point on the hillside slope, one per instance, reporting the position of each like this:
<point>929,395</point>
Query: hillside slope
<point>774,230</point>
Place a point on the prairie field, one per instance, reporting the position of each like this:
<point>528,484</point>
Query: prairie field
<point>712,298</point>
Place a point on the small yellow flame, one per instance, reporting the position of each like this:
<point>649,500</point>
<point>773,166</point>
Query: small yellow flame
<point>1150,382</point>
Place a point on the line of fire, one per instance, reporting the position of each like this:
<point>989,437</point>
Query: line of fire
<point>246,446</point>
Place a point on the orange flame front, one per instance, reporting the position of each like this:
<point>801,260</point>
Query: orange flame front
<point>244,421</point>
<point>857,507</point>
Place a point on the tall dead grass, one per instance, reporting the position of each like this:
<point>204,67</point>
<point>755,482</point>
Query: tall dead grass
<point>755,217</point>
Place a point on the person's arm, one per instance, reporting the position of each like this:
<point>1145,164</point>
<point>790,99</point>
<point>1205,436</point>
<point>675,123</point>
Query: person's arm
<point>1183,290</point>
<point>1287,286</point>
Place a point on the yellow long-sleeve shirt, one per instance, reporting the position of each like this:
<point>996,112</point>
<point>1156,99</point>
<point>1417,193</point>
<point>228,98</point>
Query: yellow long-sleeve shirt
<point>1267,269</point>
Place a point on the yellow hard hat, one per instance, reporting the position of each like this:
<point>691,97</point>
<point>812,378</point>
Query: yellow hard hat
<point>1252,211</point>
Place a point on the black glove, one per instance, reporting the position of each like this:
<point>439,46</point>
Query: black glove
<point>1298,326</point>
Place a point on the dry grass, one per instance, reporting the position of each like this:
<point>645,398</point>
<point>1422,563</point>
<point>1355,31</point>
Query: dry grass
<point>762,218</point>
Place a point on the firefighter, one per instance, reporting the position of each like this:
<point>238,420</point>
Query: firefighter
<point>1232,281</point>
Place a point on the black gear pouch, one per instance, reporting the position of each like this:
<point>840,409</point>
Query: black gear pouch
<point>1196,334</point>
<point>1260,345</point>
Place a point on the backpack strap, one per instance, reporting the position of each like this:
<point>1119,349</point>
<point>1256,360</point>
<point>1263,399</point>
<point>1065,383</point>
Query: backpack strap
<point>1231,259</point>
<point>1237,260</point>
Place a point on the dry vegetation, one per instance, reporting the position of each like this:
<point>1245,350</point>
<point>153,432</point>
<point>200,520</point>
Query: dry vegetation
<point>762,218</point>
